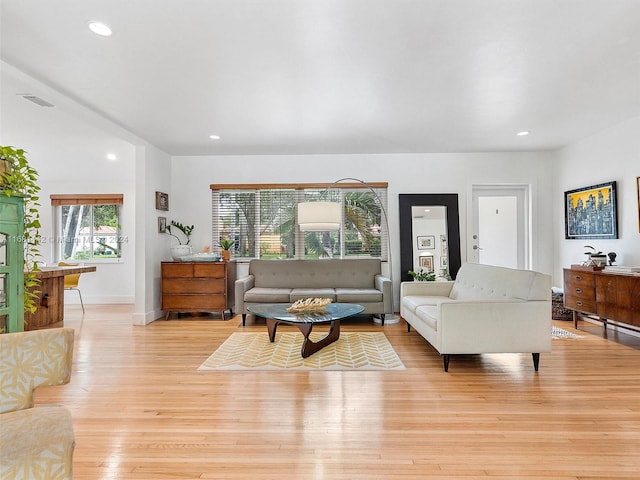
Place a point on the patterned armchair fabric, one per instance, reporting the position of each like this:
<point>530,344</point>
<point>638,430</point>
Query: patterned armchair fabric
<point>35,443</point>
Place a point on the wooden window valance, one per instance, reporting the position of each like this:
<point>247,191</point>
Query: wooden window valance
<point>87,199</point>
<point>295,186</point>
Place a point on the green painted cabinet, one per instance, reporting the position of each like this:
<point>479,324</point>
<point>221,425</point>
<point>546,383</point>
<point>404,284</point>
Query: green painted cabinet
<point>11,264</point>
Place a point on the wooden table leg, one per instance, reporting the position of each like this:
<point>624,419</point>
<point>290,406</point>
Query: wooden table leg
<point>309,347</point>
<point>272,325</point>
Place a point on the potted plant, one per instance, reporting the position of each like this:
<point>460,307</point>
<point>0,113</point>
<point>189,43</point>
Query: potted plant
<point>225,244</point>
<point>183,248</point>
<point>596,258</point>
<point>422,276</point>
<point>19,179</point>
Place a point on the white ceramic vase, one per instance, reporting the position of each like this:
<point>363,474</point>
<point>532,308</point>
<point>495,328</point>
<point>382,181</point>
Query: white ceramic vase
<point>180,251</point>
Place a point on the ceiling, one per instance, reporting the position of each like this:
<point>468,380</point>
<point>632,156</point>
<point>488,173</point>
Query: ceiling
<point>337,76</point>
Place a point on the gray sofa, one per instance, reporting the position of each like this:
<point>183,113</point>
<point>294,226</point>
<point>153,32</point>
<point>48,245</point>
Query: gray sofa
<point>345,281</point>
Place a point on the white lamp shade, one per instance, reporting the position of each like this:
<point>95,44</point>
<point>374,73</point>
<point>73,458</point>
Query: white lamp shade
<point>319,216</point>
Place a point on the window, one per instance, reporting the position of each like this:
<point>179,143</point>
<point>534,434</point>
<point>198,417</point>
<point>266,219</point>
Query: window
<point>261,219</point>
<point>87,227</point>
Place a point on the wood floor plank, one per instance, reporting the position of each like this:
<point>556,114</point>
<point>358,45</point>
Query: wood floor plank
<point>142,410</point>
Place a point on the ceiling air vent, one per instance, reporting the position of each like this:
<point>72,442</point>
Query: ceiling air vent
<point>36,100</point>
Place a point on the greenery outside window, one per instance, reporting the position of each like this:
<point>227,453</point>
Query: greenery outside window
<point>88,228</point>
<point>262,220</point>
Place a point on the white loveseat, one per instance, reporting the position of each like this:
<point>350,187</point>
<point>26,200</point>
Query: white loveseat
<point>486,310</point>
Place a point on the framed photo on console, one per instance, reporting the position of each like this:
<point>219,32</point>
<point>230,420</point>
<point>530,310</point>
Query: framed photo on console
<point>591,212</point>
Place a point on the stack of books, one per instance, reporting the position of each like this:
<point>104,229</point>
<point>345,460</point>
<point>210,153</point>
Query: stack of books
<point>622,269</point>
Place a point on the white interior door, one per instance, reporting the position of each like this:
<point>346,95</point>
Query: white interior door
<point>500,233</point>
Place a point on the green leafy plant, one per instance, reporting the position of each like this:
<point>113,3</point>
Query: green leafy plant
<point>185,229</point>
<point>445,274</point>
<point>226,243</point>
<point>20,180</point>
<point>592,252</point>
<point>422,276</point>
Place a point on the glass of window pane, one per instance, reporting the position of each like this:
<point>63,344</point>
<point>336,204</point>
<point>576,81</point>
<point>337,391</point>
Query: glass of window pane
<point>3,248</point>
<point>3,290</point>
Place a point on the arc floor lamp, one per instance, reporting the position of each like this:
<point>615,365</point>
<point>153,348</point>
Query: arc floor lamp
<point>323,216</point>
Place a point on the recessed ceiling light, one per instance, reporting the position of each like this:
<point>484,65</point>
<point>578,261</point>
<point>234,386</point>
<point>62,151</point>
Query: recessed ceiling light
<point>111,156</point>
<point>522,134</point>
<point>100,28</point>
<point>214,137</point>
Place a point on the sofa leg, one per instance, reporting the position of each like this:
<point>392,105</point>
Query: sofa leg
<point>445,360</point>
<point>408,327</point>
<point>244,319</point>
<point>536,360</point>
<point>382,319</point>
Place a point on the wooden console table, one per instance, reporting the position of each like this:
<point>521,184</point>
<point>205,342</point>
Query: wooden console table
<point>51,297</point>
<point>609,296</point>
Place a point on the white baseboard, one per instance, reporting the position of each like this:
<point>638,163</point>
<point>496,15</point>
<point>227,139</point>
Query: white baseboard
<point>72,298</point>
<point>145,318</point>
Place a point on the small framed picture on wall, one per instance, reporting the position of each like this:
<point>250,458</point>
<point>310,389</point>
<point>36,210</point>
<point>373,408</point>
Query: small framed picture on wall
<point>162,201</point>
<point>426,262</point>
<point>162,224</point>
<point>427,242</point>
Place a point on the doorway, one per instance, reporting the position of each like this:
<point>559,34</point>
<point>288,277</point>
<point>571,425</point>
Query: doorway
<point>500,232</point>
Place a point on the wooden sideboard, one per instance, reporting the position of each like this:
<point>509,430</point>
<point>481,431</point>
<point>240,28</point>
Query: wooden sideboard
<point>198,287</point>
<point>610,296</point>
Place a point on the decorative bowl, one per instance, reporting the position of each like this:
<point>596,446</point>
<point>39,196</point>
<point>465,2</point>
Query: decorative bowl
<point>200,257</point>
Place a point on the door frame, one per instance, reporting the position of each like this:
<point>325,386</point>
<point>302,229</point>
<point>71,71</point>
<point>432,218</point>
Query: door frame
<point>523,194</point>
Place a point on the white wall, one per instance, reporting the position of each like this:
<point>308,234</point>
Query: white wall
<point>405,173</point>
<point>613,154</point>
<point>69,154</point>
<point>68,144</point>
<point>153,173</point>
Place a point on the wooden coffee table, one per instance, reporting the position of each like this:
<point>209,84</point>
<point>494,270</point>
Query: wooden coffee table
<point>276,313</point>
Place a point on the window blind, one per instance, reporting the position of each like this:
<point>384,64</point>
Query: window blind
<point>262,220</point>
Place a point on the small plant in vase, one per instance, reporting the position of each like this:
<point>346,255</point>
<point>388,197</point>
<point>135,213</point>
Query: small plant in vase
<point>183,248</point>
<point>422,276</point>
<point>225,244</point>
<point>596,258</point>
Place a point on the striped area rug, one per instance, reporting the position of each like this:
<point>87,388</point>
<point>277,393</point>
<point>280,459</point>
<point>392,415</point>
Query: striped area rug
<point>557,332</point>
<point>352,351</point>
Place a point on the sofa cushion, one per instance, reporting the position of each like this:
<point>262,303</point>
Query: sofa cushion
<point>299,293</point>
<point>487,282</point>
<point>411,302</point>
<point>336,273</point>
<point>429,315</point>
<point>267,295</point>
<point>356,295</point>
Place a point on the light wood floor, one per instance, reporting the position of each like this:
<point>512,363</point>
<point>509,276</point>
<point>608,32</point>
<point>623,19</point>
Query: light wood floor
<point>141,410</point>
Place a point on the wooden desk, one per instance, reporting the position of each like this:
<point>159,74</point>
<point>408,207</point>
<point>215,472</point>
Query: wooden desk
<point>51,297</point>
